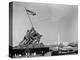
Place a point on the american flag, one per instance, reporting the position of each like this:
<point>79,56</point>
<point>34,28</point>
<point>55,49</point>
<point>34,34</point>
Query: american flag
<point>30,12</point>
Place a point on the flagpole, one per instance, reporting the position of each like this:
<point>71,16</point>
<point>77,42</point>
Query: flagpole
<point>29,18</point>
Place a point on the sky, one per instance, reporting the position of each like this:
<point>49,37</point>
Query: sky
<point>50,19</point>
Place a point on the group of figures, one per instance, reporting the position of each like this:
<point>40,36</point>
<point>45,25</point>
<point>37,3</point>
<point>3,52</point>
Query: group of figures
<point>31,39</point>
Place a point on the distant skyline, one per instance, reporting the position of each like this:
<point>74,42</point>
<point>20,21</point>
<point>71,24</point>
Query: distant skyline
<point>50,20</point>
